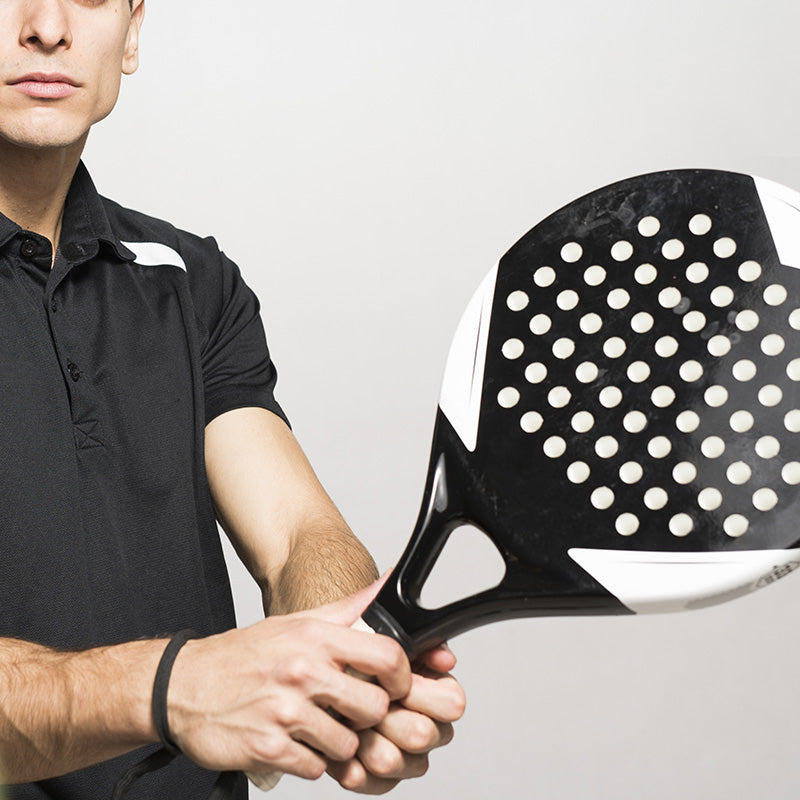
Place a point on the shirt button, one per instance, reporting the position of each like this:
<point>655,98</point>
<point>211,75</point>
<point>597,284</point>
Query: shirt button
<point>74,372</point>
<point>28,248</point>
<point>54,306</point>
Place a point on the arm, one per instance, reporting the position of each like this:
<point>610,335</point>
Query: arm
<point>62,711</point>
<point>295,543</point>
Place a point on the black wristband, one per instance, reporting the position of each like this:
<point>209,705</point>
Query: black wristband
<point>160,686</point>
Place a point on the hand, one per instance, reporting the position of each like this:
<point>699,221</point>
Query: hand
<point>398,747</point>
<point>255,699</point>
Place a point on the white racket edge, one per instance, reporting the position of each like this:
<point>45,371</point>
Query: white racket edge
<point>656,582</point>
<point>267,781</point>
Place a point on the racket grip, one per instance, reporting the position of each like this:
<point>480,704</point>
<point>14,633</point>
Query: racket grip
<point>266,781</point>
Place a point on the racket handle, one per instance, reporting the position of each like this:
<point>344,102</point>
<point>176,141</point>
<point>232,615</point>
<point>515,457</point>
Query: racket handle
<point>266,781</point>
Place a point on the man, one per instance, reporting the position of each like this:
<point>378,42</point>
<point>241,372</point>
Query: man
<point>136,392</point>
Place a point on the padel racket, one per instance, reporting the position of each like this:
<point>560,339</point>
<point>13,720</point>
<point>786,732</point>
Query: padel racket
<point>620,412</point>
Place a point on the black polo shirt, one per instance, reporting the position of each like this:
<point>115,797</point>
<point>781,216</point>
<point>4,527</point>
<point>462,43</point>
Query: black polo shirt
<point>111,365</point>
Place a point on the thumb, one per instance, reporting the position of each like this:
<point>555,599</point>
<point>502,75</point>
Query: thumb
<point>347,610</point>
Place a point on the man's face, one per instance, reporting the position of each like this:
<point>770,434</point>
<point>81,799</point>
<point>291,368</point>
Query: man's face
<point>61,63</point>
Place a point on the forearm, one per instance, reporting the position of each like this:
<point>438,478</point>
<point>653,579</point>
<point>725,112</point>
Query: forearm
<point>61,711</point>
<point>327,563</point>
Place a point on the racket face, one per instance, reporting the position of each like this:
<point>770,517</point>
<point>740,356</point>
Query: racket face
<point>621,406</point>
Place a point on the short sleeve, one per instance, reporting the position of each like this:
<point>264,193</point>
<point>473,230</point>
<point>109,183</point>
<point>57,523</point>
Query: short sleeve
<point>237,368</point>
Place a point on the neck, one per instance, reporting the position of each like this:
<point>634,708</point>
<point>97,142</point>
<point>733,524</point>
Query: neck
<point>34,185</point>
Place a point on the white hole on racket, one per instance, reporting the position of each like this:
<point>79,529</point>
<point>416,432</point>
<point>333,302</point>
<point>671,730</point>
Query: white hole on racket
<point>591,323</point>
<point>662,396</point>
<point>656,498</point>
<point>681,525</point>
<point>618,299</point>
<point>687,422</point>
<point>791,473</point>
<point>750,271</point>
<point>794,319</point>
<point>691,371</point>
<point>793,369</point>
<point>648,226</point>
<point>508,397</point>
<point>765,499</point>
<point>517,301</point>
<point>775,294</point>
<point>621,251</point>
<point>773,344</point>
<point>544,277</point>
<point>666,346</point>
<point>559,396</point>
<point>724,247</point>
<point>614,347</point>
<point>741,421</point>
<point>694,321</point>
<point>631,472</point>
<point>659,447</point>
<point>541,324</point>
<point>700,224</point>
<point>638,372</point>
<point>531,421</point>
<point>610,397</point>
<point>582,422</point>
<point>606,447</point>
<point>563,348</point>
<point>719,345</point>
<point>770,395</point>
<point>792,421</point>
<point>739,473</point>
<point>697,272</point>
<point>571,252</point>
<point>722,296</point>
<point>587,372</point>
<point>645,274</point>
<point>712,447</point>
<point>578,472</point>
<point>634,422</point>
<point>535,372</point>
<point>669,297</point>
<point>684,473</point>
<point>709,499</point>
<point>567,300</point>
<point>747,320</point>
<point>602,498</point>
<point>672,249</point>
<point>554,447</point>
<point>744,370</point>
<point>627,524</point>
<point>735,525</point>
<point>716,396</point>
<point>513,349</point>
<point>594,275</point>
<point>767,447</point>
<point>642,322</point>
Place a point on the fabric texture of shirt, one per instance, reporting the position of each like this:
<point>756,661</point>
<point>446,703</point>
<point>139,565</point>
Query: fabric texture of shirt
<point>111,365</point>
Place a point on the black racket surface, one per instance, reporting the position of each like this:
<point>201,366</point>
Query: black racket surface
<point>626,382</point>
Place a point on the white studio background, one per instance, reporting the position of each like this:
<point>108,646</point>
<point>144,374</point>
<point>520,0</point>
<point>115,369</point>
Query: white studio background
<point>366,162</point>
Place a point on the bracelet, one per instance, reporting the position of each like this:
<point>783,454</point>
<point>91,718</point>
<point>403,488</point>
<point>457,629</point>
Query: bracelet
<point>160,686</point>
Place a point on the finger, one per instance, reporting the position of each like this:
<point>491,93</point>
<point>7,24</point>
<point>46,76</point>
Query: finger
<point>364,704</point>
<point>347,610</point>
<point>283,753</point>
<point>439,659</point>
<point>326,735</point>
<point>438,696</point>
<point>352,775</point>
<point>412,732</point>
<point>383,759</point>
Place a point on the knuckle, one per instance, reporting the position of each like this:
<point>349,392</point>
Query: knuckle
<point>270,749</point>
<point>286,712</point>
<point>423,735</point>
<point>299,671</point>
<point>457,702</point>
<point>386,762</point>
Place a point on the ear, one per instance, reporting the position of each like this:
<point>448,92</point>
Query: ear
<point>130,59</point>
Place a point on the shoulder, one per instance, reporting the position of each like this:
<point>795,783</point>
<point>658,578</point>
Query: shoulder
<point>155,240</point>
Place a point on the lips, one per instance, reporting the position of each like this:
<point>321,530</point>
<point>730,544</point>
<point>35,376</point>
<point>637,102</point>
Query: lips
<point>45,85</point>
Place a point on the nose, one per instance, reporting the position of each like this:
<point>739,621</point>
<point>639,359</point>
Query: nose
<point>45,25</point>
